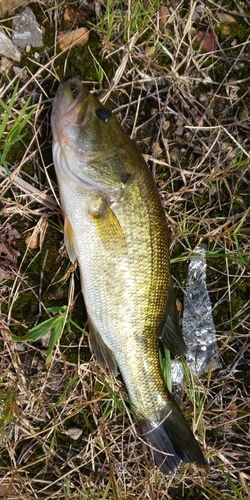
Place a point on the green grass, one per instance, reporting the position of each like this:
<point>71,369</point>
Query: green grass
<point>121,21</point>
<point>46,388</point>
<point>53,327</point>
<point>13,124</point>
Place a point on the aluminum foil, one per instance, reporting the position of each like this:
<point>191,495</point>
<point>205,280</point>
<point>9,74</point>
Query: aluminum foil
<point>198,325</point>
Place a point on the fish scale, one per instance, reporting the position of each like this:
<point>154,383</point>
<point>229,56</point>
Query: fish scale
<point>115,227</point>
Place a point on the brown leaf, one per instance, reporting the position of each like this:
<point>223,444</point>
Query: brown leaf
<point>226,30</point>
<point>4,275</point>
<point>35,238</point>
<point>207,40</point>
<point>225,18</point>
<point>8,5</point>
<point>163,16</point>
<point>73,17</point>
<point>149,50</point>
<point>79,36</point>
<point>8,254</point>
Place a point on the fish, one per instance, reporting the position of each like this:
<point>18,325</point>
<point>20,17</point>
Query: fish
<point>116,229</point>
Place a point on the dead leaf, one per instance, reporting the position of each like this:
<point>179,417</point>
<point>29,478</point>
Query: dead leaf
<point>226,30</point>
<point>79,36</point>
<point>157,149</point>
<point>4,275</point>
<point>163,16</point>
<point>179,307</point>
<point>8,5</point>
<point>8,253</point>
<point>225,18</point>
<point>149,51</point>
<point>73,17</point>
<point>10,234</point>
<point>35,238</point>
<point>8,48</point>
<point>208,40</point>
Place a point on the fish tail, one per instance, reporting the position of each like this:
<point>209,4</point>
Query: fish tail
<point>172,440</point>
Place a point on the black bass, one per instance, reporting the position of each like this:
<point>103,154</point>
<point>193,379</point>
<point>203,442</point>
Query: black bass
<point>115,227</point>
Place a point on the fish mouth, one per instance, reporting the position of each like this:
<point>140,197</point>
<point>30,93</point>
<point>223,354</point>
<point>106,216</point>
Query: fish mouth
<point>76,85</point>
<point>75,94</point>
<point>69,102</point>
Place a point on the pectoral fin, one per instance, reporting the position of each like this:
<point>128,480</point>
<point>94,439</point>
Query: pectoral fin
<point>171,335</point>
<point>69,240</point>
<point>102,352</point>
<point>108,226</point>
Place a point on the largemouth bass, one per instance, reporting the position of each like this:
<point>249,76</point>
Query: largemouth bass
<point>115,227</point>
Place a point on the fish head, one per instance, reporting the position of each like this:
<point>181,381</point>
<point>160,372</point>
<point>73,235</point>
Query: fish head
<point>77,113</point>
<point>90,149</point>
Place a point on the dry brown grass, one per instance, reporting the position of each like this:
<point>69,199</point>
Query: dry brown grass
<point>189,112</point>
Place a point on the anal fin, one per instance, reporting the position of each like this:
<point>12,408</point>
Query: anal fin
<point>103,353</point>
<point>171,335</point>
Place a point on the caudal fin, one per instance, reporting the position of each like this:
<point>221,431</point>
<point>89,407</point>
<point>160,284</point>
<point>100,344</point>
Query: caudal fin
<point>172,441</point>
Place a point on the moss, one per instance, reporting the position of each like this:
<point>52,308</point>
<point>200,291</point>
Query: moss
<point>81,61</point>
<point>17,150</point>
<point>25,308</point>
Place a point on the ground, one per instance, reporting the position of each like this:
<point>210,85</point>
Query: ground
<point>177,77</point>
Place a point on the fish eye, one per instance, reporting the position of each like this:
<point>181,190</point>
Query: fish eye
<point>104,114</point>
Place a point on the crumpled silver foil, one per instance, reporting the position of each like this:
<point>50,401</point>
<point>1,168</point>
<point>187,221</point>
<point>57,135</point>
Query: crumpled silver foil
<point>197,326</point>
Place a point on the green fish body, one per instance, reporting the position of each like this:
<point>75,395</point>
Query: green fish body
<point>115,227</point>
